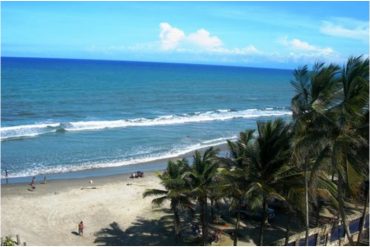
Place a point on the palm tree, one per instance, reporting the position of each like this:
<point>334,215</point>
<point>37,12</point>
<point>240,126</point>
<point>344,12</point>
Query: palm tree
<point>176,190</point>
<point>344,120</point>
<point>328,108</point>
<point>314,89</point>
<point>269,163</point>
<point>236,176</point>
<point>200,178</point>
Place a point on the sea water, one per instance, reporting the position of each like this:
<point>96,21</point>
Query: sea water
<point>65,116</point>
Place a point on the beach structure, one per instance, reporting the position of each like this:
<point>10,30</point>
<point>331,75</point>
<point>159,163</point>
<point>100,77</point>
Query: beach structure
<point>328,234</point>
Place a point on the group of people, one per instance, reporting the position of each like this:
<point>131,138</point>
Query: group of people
<point>33,182</point>
<point>138,174</point>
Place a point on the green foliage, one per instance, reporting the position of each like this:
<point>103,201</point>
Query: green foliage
<point>176,190</point>
<point>8,241</point>
<point>331,119</point>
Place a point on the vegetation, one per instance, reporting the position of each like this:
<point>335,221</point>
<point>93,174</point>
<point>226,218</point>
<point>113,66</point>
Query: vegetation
<point>176,191</point>
<point>330,112</point>
<point>8,241</point>
<point>322,155</point>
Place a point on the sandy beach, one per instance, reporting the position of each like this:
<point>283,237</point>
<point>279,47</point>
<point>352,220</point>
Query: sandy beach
<point>49,215</point>
<point>112,209</point>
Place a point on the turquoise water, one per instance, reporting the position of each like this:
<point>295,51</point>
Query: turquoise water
<point>61,116</point>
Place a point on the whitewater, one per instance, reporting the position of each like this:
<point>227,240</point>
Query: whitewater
<point>33,130</point>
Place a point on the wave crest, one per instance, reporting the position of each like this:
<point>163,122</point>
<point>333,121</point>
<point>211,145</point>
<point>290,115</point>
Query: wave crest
<point>139,159</point>
<point>22,131</point>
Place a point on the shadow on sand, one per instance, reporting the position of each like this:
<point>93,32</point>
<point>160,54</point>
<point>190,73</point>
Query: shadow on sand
<point>141,232</point>
<point>160,232</point>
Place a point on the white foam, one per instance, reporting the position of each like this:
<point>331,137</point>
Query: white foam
<point>26,130</point>
<point>221,139</point>
<point>218,115</point>
<point>176,152</point>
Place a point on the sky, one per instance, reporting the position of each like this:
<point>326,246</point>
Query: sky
<point>254,34</point>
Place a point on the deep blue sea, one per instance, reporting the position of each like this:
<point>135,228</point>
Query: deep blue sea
<point>61,115</point>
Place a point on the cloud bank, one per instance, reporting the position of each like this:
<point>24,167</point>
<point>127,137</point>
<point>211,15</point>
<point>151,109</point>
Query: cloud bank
<point>203,46</point>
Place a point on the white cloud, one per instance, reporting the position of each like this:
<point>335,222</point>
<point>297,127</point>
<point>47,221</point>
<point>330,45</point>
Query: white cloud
<point>204,46</point>
<point>204,39</point>
<point>358,31</point>
<point>170,36</point>
<point>306,49</point>
<point>200,41</point>
<point>248,50</point>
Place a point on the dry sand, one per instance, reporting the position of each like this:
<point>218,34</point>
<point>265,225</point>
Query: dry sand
<point>49,215</point>
<point>114,213</point>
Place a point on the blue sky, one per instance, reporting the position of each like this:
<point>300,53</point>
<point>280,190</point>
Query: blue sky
<point>259,34</point>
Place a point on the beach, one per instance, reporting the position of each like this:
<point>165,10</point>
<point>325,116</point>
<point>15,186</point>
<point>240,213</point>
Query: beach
<point>49,215</point>
<point>243,123</point>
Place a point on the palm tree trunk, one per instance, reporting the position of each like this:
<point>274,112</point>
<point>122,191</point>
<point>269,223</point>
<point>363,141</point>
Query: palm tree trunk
<point>206,219</point>
<point>339,236</point>
<point>237,224</point>
<point>341,208</point>
<point>260,242</point>
<point>212,210</point>
<point>203,219</point>
<point>177,224</point>
<point>318,214</point>
<point>306,204</point>
<point>363,217</point>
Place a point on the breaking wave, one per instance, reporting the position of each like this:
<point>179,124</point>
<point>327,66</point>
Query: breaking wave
<point>24,131</point>
<point>140,159</point>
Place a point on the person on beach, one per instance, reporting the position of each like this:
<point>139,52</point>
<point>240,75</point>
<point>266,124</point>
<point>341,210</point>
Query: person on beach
<point>32,184</point>
<point>6,175</point>
<point>81,228</point>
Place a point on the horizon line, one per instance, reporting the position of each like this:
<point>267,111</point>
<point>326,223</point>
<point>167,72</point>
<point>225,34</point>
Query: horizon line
<point>138,61</point>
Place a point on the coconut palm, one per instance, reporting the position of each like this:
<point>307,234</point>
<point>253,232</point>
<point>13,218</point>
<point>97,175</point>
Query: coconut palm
<point>176,190</point>
<point>200,178</point>
<point>236,176</point>
<point>345,118</point>
<point>328,112</point>
<point>269,163</point>
<point>314,89</point>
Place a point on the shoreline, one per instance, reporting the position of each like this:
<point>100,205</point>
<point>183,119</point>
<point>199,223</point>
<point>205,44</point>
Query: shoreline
<point>146,167</point>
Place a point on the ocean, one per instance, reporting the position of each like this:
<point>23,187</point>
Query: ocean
<point>71,118</point>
